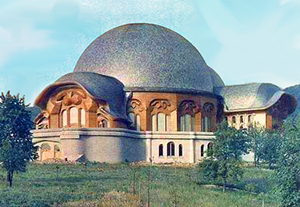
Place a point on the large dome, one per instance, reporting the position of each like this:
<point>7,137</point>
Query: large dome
<point>147,57</point>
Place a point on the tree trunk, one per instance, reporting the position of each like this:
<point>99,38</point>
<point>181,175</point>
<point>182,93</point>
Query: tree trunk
<point>224,185</point>
<point>10,175</point>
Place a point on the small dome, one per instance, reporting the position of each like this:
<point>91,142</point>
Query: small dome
<point>98,86</point>
<point>149,57</point>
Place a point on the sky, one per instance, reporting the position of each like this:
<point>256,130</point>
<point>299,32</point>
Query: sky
<point>244,41</point>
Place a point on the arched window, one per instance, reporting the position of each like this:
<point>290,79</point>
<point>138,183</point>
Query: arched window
<point>154,123</point>
<point>187,123</point>
<point>171,149</point>
<point>82,116</point>
<point>168,122</point>
<point>64,118</point>
<point>182,123</point>
<point>241,119</point>
<point>206,124</point>
<point>136,120</point>
<point>202,150</point>
<point>233,120</point>
<point>180,150</point>
<point>249,119</point>
<point>160,122</point>
<point>73,115</point>
<point>250,125</point>
<point>208,113</point>
<point>161,150</point>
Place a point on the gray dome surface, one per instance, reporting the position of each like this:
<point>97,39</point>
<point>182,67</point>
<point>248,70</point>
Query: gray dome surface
<point>149,57</point>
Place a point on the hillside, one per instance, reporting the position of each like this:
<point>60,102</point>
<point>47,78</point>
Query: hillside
<point>295,91</point>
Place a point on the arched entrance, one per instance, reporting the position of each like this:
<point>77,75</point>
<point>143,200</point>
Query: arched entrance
<point>45,152</point>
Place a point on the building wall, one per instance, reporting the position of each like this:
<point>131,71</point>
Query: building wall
<point>89,113</point>
<point>146,104</point>
<point>258,117</point>
<point>120,145</point>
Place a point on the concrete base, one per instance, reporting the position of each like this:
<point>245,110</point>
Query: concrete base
<point>120,145</point>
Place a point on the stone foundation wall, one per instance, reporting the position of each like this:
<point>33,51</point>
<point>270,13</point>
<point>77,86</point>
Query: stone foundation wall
<point>120,145</point>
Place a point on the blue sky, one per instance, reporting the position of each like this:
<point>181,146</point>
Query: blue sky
<point>242,40</point>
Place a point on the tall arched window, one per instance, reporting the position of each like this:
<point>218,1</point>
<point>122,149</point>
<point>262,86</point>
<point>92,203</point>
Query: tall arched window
<point>202,150</point>
<point>208,113</point>
<point>187,123</point>
<point>241,122</point>
<point>180,150</point>
<point>160,122</point>
<point>206,124</point>
<point>250,125</point>
<point>64,118</point>
<point>241,119</point>
<point>136,120</point>
<point>161,150</point>
<point>171,149</point>
<point>82,116</point>
<point>154,122</point>
<point>249,119</point>
<point>73,115</point>
<point>233,120</point>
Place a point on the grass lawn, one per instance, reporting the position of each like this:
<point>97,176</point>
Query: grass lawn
<point>112,185</point>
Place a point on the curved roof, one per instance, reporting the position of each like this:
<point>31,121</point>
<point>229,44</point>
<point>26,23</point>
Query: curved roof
<point>149,57</point>
<point>98,86</point>
<point>253,96</point>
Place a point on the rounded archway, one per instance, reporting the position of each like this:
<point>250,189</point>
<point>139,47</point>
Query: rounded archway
<point>45,152</point>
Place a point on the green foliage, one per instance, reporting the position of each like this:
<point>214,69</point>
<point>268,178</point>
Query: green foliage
<point>288,169</point>
<point>230,142</point>
<point>209,169</point>
<point>224,163</point>
<point>269,150</point>
<point>256,136</point>
<point>265,144</point>
<point>16,148</point>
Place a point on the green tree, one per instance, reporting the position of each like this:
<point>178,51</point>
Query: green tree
<point>288,169</point>
<point>256,136</point>
<point>16,148</point>
<point>224,163</point>
<point>269,150</point>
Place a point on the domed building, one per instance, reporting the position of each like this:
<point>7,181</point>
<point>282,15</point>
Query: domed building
<point>141,92</point>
